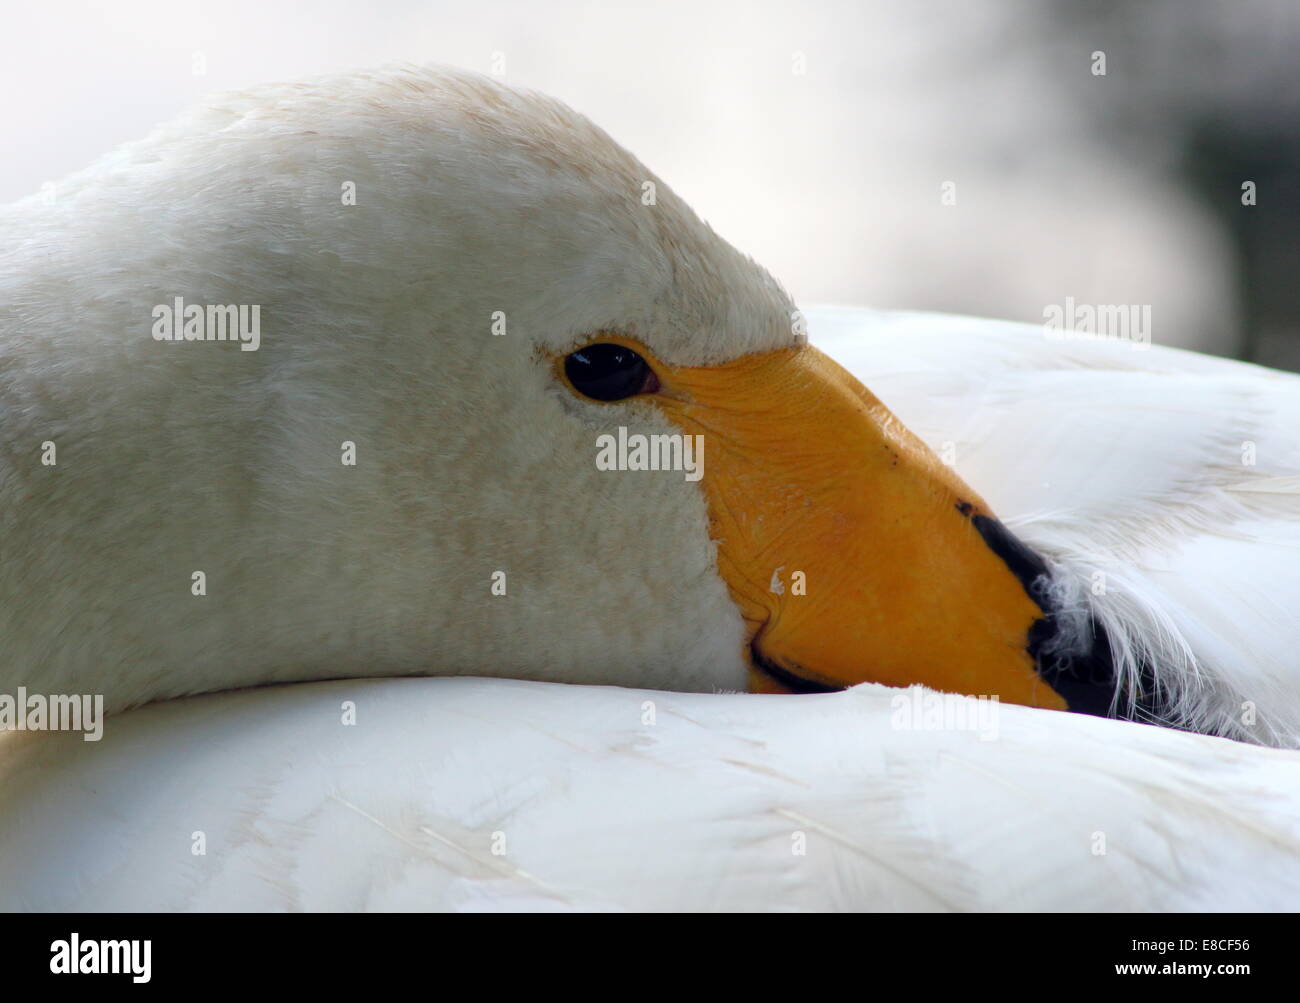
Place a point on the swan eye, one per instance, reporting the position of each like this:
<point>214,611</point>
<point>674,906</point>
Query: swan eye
<point>608,372</point>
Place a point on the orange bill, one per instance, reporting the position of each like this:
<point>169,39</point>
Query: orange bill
<point>852,551</point>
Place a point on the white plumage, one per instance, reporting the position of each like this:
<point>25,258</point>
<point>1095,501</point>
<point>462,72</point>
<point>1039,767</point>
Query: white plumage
<point>1162,487</point>
<point>1165,484</point>
<point>589,802</point>
<point>609,798</point>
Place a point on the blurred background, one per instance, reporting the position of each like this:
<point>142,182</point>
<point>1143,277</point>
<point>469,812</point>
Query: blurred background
<point>821,137</point>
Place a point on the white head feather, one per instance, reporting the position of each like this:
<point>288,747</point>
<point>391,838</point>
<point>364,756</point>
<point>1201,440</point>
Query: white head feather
<point>376,328</point>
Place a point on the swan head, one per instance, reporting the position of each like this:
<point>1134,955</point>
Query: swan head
<point>480,322</point>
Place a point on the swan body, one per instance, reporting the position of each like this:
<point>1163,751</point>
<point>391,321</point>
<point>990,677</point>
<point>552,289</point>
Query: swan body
<point>473,794</point>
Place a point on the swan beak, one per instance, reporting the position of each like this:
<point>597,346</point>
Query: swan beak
<point>852,551</point>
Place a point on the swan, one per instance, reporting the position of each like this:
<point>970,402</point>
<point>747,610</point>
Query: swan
<point>315,383</point>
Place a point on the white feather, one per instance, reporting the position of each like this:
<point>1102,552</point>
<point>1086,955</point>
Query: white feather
<point>470,794</point>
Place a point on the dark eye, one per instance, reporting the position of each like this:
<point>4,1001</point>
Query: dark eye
<point>606,372</point>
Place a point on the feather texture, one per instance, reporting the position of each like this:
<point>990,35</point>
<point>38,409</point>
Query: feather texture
<point>1164,487</point>
<point>470,794</point>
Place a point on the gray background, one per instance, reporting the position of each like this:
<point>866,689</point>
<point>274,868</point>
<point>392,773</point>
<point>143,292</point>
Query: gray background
<point>1122,189</point>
